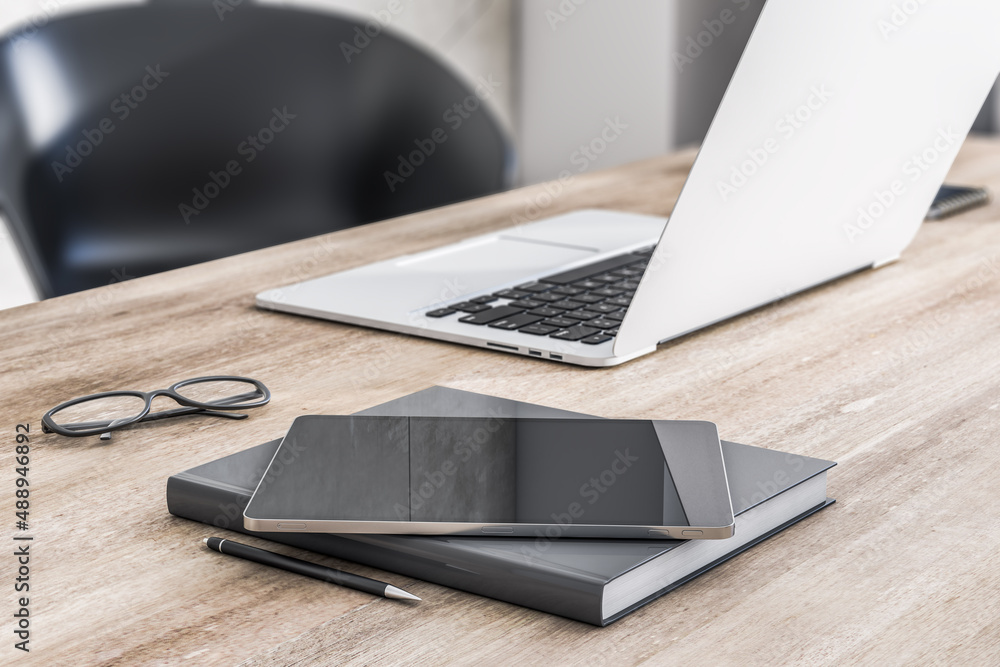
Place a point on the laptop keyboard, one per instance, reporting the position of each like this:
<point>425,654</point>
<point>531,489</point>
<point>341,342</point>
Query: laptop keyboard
<point>585,304</point>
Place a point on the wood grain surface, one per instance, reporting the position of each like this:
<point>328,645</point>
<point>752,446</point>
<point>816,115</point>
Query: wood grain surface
<point>892,373</point>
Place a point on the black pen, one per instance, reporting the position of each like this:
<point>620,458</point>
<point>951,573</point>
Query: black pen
<point>307,569</point>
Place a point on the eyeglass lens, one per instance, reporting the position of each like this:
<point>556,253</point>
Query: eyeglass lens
<point>108,410</point>
<point>222,392</point>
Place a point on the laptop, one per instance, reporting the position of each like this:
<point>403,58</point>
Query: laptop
<point>835,133</point>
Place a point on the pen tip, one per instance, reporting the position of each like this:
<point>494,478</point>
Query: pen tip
<point>399,594</point>
<point>205,541</point>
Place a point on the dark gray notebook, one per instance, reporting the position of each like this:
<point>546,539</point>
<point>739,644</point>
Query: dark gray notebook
<point>594,581</point>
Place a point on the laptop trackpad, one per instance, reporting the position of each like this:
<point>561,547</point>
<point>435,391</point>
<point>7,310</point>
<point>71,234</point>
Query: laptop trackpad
<point>488,264</point>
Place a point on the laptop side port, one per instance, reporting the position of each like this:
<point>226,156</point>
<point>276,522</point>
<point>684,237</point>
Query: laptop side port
<point>504,347</point>
<point>534,353</point>
<point>557,357</point>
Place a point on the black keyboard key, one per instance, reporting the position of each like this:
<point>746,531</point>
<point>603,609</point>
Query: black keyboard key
<point>534,287</point>
<point>546,312</point>
<point>566,290</point>
<point>548,297</point>
<point>607,292</point>
<point>441,312</point>
<point>589,298</point>
<point>603,323</point>
<point>469,307</point>
<point>516,322</point>
<point>617,317</point>
<point>607,278</point>
<point>491,315</point>
<point>627,284</point>
<point>484,299</point>
<point>580,315</point>
<point>566,305</point>
<point>575,333</point>
<point>574,275</point>
<point>537,329</point>
<point>589,284</point>
<point>611,332</point>
<point>620,301</point>
<point>560,322</point>
<point>526,304</point>
<point>596,339</point>
<point>511,294</point>
<point>603,308</point>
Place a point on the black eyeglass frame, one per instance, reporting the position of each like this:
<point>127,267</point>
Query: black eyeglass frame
<point>214,409</point>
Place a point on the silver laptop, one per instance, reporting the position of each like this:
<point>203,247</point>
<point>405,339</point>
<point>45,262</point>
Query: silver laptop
<point>834,135</point>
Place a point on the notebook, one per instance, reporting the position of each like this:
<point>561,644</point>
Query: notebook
<point>593,581</point>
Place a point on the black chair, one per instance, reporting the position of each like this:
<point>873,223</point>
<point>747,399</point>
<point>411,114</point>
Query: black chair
<point>140,139</point>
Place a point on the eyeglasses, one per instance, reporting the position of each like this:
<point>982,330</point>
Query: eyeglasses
<point>99,414</point>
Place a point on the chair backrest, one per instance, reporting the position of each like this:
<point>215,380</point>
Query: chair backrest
<point>144,138</point>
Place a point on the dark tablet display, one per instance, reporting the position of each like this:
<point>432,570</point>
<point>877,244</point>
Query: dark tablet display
<point>442,475</point>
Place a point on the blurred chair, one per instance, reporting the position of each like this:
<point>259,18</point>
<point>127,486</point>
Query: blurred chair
<point>144,138</point>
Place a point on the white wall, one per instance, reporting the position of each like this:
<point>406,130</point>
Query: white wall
<point>15,287</point>
<point>583,62</point>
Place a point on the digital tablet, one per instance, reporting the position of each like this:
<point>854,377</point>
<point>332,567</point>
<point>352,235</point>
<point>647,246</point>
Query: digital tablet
<point>521,477</point>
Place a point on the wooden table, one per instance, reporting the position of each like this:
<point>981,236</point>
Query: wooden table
<point>892,373</point>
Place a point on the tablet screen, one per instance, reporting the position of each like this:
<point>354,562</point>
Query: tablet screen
<point>496,471</point>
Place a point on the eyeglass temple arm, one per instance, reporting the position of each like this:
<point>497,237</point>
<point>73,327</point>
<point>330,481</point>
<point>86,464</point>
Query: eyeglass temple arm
<point>176,412</point>
<point>165,414</point>
<point>153,416</point>
<point>86,426</point>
